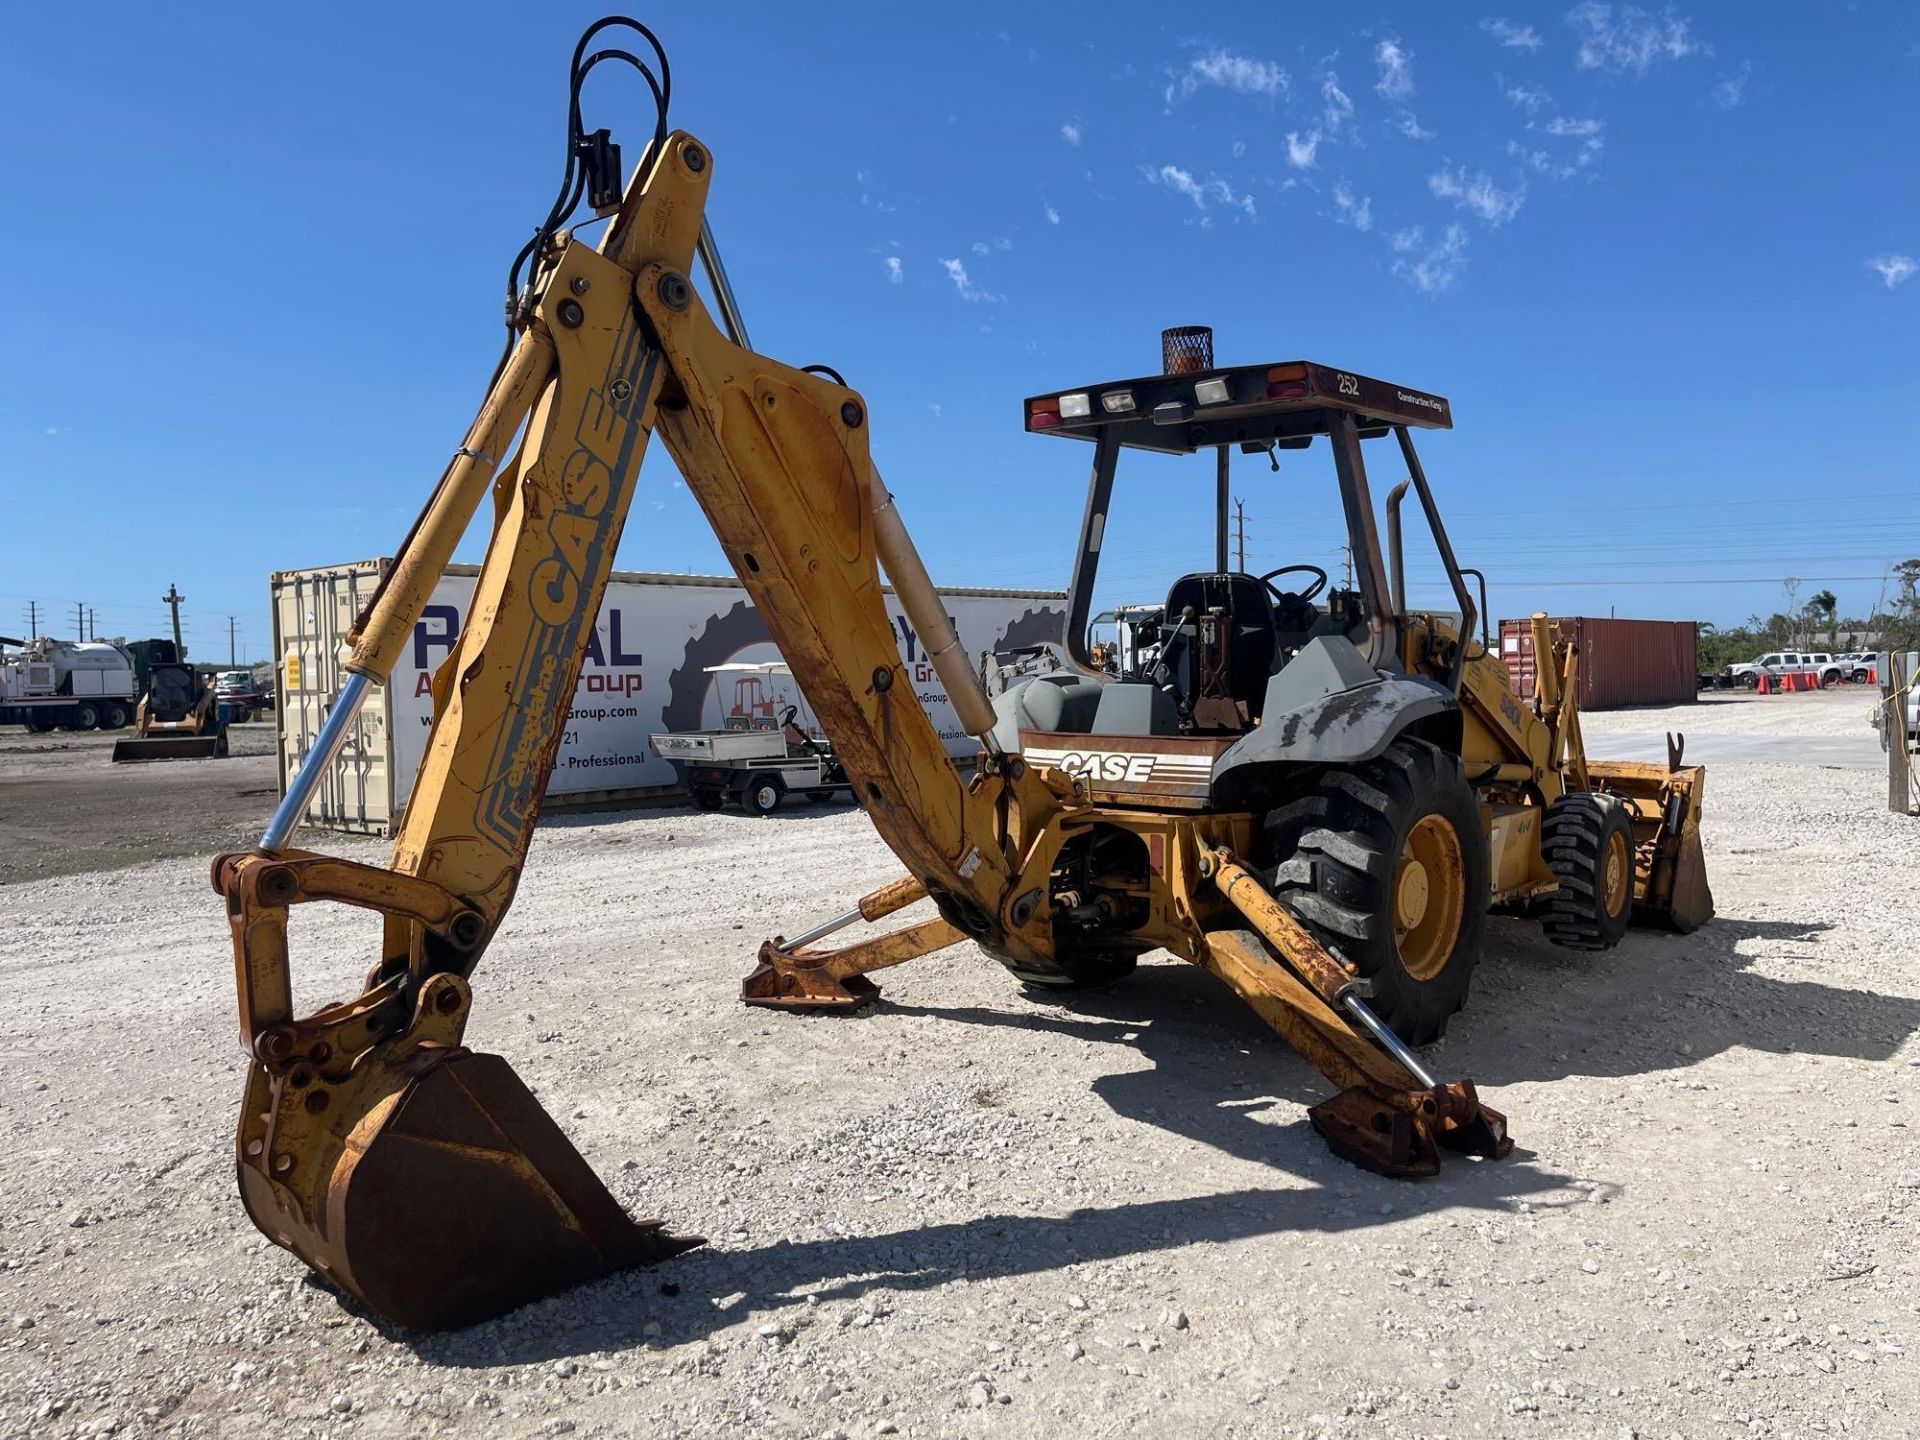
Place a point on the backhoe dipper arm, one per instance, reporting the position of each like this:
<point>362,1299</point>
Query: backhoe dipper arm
<point>617,344</point>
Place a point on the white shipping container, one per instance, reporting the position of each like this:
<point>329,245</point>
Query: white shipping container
<point>645,672</point>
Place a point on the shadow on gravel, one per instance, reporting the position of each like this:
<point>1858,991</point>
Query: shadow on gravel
<point>1658,1002</point>
<point>1663,1002</point>
<point>1215,1067</point>
<point>707,1290</point>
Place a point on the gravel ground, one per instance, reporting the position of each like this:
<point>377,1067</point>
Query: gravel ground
<point>964,1213</point>
<point>65,807</point>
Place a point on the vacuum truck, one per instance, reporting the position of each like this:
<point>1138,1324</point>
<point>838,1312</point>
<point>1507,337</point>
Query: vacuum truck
<point>49,684</point>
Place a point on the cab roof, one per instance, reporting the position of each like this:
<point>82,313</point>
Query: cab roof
<point>1286,403</point>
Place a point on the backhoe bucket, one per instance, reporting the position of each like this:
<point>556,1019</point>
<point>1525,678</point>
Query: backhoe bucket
<point>172,747</point>
<point>447,1196</point>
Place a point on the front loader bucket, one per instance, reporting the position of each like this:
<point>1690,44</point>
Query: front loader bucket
<point>451,1198</point>
<point>172,747</point>
<point>1689,904</point>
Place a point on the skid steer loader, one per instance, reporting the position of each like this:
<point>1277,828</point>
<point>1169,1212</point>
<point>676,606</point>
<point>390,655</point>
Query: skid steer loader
<point>178,719</point>
<point>1314,793</point>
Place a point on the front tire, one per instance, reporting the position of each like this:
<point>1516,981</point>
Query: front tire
<point>1386,863</point>
<point>1588,841</point>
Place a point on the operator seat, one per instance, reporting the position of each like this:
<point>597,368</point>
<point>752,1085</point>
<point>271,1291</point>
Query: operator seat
<point>1252,645</point>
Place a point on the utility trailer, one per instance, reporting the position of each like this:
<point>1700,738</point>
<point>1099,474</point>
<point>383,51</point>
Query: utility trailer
<point>757,760</point>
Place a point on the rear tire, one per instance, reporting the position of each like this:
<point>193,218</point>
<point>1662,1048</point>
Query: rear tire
<point>116,717</point>
<point>1386,863</point>
<point>764,793</point>
<point>85,717</point>
<point>1588,841</point>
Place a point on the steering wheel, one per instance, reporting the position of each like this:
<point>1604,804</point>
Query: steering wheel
<point>789,715</point>
<point>1287,598</point>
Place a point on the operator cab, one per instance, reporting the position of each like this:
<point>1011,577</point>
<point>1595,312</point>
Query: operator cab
<point>1214,661</point>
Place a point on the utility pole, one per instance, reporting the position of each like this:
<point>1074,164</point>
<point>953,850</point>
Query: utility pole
<point>1240,526</point>
<point>93,627</point>
<point>174,600</point>
<point>33,619</point>
<point>1346,567</point>
<point>80,620</point>
<point>230,660</point>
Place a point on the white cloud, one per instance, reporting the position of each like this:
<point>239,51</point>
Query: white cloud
<point>1514,37</point>
<point>987,247</point>
<point>969,291</point>
<point>1409,125</point>
<point>1070,132</point>
<point>1300,148</point>
<point>1337,108</point>
<point>1562,125</point>
<point>1894,269</point>
<point>1626,39</point>
<point>1351,211</point>
<point>1430,269</point>
<point>895,275</point>
<point>55,429</point>
<point>1530,98</point>
<point>1477,193</point>
<point>1242,74</point>
<point>1731,92</point>
<point>1203,193</point>
<point>1053,216</point>
<point>1396,69</point>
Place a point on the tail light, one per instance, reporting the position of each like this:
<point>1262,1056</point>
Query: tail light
<point>1286,382</point>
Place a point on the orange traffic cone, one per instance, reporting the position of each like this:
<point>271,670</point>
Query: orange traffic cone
<point>1873,674</point>
<point>1765,687</point>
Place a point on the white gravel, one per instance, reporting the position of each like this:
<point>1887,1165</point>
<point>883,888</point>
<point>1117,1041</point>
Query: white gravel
<point>964,1213</point>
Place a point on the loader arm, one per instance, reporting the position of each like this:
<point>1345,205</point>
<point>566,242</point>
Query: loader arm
<point>350,1110</point>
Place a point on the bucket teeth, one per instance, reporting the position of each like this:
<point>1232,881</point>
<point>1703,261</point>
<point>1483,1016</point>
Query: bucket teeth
<point>453,1199</point>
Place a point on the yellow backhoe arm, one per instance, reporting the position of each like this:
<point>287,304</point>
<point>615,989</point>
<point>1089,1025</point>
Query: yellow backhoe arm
<point>619,344</point>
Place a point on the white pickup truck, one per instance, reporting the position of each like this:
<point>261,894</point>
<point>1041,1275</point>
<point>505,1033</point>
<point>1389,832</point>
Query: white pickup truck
<point>1775,663</point>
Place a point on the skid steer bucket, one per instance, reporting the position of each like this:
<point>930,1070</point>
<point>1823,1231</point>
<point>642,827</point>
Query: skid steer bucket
<point>171,747</point>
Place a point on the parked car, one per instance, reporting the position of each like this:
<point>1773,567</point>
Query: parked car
<point>1776,663</point>
<point>237,690</point>
<point>1857,664</point>
<point>1912,699</point>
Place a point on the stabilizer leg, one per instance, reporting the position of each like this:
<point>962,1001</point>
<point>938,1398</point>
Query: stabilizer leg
<point>1391,1116</point>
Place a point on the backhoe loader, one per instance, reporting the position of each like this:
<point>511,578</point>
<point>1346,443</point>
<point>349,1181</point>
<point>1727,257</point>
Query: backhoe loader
<point>1312,792</point>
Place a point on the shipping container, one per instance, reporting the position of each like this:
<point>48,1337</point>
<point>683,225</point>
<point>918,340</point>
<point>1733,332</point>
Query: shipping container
<point>1622,662</point>
<point>645,672</point>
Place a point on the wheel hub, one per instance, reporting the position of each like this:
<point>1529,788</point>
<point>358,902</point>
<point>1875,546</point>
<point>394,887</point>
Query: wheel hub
<point>1410,894</point>
<point>1429,899</point>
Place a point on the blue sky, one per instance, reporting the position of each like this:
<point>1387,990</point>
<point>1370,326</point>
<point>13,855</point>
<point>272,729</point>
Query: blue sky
<point>1661,260</point>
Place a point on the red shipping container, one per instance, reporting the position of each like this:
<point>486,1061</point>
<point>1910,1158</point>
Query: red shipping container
<point>1622,662</point>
